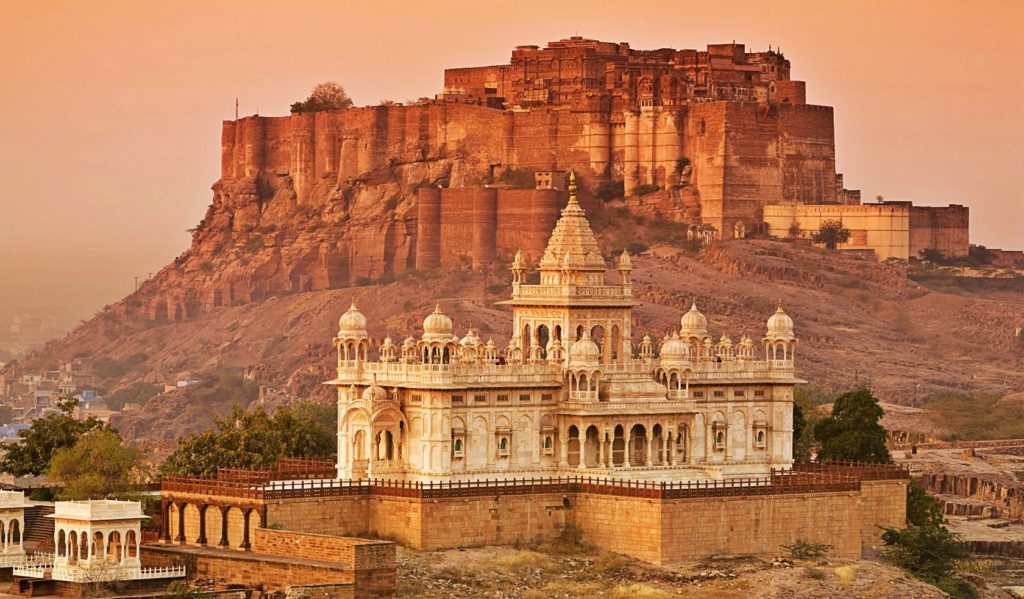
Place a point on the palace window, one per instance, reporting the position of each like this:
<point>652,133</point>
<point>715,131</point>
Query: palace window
<point>719,393</point>
<point>698,394</point>
<point>503,397</point>
<point>503,446</point>
<point>549,445</point>
<point>457,448</point>
<point>458,399</point>
<point>758,392</point>
<point>479,399</point>
<point>718,433</point>
<point>738,393</point>
<point>524,397</point>
<point>760,434</point>
<point>416,398</point>
<point>546,397</point>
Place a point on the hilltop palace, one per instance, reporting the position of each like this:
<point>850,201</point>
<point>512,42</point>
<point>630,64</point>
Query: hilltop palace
<point>570,394</point>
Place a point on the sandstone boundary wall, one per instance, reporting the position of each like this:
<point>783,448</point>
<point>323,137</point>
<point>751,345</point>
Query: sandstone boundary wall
<point>656,522</point>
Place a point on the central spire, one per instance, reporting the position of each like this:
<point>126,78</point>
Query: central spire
<point>573,236</point>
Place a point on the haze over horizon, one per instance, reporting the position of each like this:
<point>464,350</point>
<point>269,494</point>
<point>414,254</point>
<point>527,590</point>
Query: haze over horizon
<point>110,127</point>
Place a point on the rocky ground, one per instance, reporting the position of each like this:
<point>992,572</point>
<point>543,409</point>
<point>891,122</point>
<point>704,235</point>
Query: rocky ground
<point>536,573</point>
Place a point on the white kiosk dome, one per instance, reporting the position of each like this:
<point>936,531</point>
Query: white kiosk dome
<point>437,324</point>
<point>693,323</point>
<point>780,325</point>
<point>352,322</point>
<point>584,351</point>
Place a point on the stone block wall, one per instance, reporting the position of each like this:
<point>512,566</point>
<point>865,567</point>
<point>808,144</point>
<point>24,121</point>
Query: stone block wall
<point>491,520</point>
<point>344,516</point>
<point>883,503</point>
<point>246,568</point>
<point>372,562</point>
<point>759,525</point>
<point>627,525</point>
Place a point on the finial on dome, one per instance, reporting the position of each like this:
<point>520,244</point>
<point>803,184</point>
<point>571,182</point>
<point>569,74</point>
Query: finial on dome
<point>572,184</point>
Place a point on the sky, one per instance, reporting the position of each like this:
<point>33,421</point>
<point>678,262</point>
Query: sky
<point>110,112</point>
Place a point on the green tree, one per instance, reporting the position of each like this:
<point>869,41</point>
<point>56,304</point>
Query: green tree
<point>831,233</point>
<point>807,414</point>
<point>922,508</point>
<point>853,431</point>
<point>253,440</point>
<point>97,466</point>
<point>31,455</point>
<point>328,95</point>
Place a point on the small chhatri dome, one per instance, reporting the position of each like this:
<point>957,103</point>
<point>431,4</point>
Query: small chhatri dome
<point>693,323</point>
<point>625,262</point>
<point>724,340</point>
<point>409,343</point>
<point>674,350</point>
<point>437,324</point>
<point>374,393</point>
<point>584,351</point>
<point>471,339</point>
<point>780,325</point>
<point>352,321</point>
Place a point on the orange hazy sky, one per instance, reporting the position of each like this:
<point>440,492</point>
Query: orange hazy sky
<point>110,112</point>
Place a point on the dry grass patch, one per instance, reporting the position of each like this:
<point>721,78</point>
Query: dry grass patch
<point>639,590</point>
<point>566,588</point>
<point>523,560</point>
<point>846,574</point>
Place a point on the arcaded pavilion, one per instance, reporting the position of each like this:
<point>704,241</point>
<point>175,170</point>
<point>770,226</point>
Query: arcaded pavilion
<point>571,393</point>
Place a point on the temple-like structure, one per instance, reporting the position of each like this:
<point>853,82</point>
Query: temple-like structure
<point>571,393</point>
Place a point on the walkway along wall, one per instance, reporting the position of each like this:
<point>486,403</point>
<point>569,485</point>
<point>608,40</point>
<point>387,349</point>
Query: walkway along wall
<point>656,522</point>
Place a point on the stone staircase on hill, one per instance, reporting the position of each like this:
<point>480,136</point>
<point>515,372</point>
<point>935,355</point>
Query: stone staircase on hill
<point>39,528</point>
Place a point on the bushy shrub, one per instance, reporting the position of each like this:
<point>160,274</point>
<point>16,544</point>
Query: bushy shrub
<point>644,189</point>
<point>610,190</point>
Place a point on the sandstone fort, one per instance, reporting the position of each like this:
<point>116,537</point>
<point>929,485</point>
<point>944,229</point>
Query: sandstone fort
<point>720,140</point>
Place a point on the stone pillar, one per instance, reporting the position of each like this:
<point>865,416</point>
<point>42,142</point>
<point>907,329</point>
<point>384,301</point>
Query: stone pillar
<point>627,437</point>
<point>180,538</point>
<point>224,509</point>
<point>583,451</point>
<point>563,451</point>
<point>600,450</point>
<point>649,442</point>
<point>165,521</point>
<point>202,524</point>
<point>245,529</point>
<point>668,449</point>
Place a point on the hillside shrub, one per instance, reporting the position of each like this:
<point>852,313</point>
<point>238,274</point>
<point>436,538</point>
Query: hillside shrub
<point>644,189</point>
<point>610,190</point>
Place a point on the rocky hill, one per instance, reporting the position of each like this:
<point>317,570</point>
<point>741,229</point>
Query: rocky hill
<point>858,322</point>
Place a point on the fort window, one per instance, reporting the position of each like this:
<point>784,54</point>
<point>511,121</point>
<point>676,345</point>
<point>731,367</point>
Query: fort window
<point>698,394</point>
<point>546,396</point>
<point>720,440</point>
<point>458,399</point>
<point>457,448</point>
<point>758,392</point>
<point>549,445</point>
<point>503,447</point>
<point>480,399</point>
<point>719,393</point>
<point>502,397</point>
<point>759,439</point>
<point>738,393</point>
<point>416,398</point>
<point>524,397</point>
